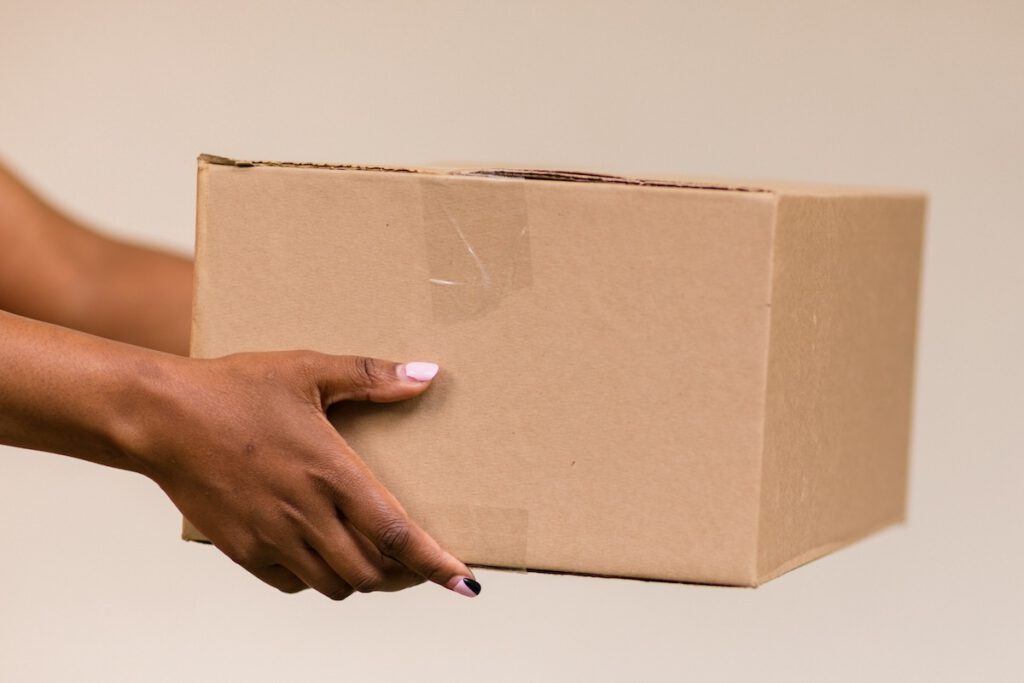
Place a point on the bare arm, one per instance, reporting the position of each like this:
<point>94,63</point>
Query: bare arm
<point>57,270</point>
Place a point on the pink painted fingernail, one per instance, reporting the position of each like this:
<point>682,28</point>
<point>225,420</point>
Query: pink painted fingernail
<point>419,371</point>
<point>463,585</point>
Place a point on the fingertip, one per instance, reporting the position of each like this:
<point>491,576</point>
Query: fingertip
<point>463,585</point>
<point>417,372</point>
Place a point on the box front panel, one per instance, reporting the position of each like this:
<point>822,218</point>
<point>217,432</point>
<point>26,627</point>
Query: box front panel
<point>603,350</point>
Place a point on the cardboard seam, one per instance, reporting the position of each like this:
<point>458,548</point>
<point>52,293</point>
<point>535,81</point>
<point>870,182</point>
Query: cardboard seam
<point>757,578</point>
<point>198,248</point>
<point>584,177</point>
<point>188,531</point>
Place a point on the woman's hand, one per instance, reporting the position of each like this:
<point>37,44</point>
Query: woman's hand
<point>243,447</point>
<point>241,444</point>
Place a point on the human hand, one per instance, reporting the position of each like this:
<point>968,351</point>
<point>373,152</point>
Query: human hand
<point>242,445</point>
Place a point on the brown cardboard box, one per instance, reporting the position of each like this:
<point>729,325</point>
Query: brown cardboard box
<point>662,379</point>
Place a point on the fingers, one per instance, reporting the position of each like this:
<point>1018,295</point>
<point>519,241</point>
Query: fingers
<point>281,578</point>
<point>338,565</point>
<point>371,508</point>
<point>355,559</point>
<point>308,566</point>
<point>375,513</point>
<point>359,378</point>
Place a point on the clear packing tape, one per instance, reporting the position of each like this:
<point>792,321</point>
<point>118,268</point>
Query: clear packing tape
<point>477,243</point>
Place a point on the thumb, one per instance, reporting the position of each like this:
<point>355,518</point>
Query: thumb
<point>359,378</point>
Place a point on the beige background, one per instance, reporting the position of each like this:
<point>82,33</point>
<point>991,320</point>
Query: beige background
<point>105,105</point>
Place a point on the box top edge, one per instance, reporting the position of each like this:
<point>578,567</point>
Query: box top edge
<point>782,188</point>
<point>497,172</point>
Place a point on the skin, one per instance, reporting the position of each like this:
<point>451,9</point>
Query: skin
<point>93,334</point>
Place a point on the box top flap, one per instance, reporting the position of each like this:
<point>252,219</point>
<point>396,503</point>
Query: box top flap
<point>564,175</point>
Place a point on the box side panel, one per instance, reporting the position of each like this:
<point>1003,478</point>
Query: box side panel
<point>603,352</point>
<point>846,276</point>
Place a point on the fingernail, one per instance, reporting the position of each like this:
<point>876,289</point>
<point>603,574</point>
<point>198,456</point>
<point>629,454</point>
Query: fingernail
<point>463,585</point>
<point>419,371</point>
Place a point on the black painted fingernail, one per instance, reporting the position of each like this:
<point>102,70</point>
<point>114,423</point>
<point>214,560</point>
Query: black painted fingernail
<point>467,586</point>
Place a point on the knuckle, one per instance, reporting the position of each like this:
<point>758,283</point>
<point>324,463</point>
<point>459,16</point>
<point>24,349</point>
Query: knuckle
<point>292,588</point>
<point>294,516</point>
<point>394,536</point>
<point>398,578</point>
<point>368,583</point>
<point>367,371</point>
<point>307,364</point>
<point>246,554</point>
<point>433,566</point>
<point>307,369</point>
<point>328,482</point>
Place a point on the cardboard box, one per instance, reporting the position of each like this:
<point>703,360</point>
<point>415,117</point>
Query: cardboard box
<point>656,378</point>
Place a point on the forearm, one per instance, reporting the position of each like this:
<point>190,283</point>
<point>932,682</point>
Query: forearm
<point>141,296</point>
<point>56,270</point>
<point>72,393</point>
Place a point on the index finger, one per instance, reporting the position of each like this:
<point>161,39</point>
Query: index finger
<point>378,515</point>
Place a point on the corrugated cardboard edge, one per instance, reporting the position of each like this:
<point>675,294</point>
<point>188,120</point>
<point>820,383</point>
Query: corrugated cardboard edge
<point>753,578</point>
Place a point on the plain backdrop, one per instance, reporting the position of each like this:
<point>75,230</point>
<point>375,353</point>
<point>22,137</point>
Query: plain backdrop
<point>105,105</point>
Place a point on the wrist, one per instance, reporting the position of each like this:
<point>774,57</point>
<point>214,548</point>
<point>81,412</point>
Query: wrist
<point>87,397</point>
<point>147,406</point>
